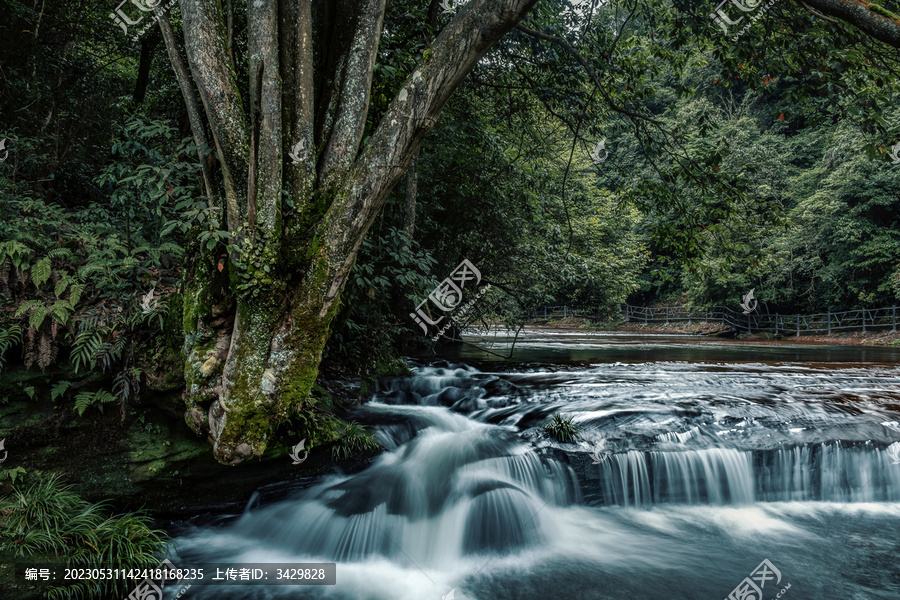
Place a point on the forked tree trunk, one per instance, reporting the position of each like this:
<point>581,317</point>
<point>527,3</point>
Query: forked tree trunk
<point>257,314</point>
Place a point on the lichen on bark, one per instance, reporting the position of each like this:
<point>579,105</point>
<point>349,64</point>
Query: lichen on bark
<point>256,323</point>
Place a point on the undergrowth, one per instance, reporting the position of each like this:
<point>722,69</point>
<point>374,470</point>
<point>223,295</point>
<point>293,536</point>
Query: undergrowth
<point>353,439</point>
<point>46,521</point>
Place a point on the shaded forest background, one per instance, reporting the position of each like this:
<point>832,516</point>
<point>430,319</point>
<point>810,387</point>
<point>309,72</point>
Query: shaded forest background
<point>761,163</point>
<point>758,163</point>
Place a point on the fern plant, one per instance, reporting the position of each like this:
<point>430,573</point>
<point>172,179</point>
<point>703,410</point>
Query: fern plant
<point>9,337</point>
<point>88,399</point>
<point>75,278</point>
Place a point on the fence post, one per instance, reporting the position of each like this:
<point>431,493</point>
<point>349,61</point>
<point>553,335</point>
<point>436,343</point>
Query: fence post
<point>798,325</point>
<point>829,322</point>
<point>864,320</point>
<point>646,310</point>
<point>893,319</point>
<point>776,323</point>
<point>667,315</point>
<point>565,311</point>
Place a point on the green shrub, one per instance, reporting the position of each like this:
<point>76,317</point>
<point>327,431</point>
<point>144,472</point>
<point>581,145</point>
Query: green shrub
<point>562,428</point>
<point>354,438</point>
<point>48,521</point>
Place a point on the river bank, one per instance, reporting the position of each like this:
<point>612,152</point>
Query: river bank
<point>851,338</point>
<point>145,457</point>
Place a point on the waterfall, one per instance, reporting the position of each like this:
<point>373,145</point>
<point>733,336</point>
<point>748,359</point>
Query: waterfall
<point>443,495</point>
<point>676,466</point>
<point>827,472</point>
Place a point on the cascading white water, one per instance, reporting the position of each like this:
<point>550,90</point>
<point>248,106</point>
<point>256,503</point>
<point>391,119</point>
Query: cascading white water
<point>474,489</point>
<point>727,476</point>
<point>716,476</point>
<point>677,468</point>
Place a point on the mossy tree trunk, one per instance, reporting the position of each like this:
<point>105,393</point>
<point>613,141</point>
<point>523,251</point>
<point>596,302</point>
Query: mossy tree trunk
<point>297,188</point>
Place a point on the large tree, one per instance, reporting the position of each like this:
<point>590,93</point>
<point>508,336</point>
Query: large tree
<point>297,186</point>
<point>300,173</point>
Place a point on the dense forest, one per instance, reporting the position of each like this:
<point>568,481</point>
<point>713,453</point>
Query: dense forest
<point>204,206</point>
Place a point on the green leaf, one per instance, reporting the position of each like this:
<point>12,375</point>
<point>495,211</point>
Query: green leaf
<point>40,272</point>
<point>61,311</point>
<point>75,293</point>
<point>84,400</point>
<point>30,304</point>
<point>37,316</point>
<point>59,389</point>
<point>61,286</point>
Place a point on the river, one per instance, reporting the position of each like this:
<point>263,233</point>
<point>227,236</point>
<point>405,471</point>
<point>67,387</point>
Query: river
<point>696,461</point>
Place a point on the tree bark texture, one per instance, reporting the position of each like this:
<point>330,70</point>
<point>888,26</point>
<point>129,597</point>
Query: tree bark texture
<point>409,203</point>
<point>870,17</point>
<point>298,190</point>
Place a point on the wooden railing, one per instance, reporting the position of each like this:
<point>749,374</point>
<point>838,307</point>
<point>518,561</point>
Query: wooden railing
<point>861,319</point>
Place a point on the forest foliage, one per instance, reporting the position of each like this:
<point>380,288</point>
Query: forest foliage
<point>731,165</point>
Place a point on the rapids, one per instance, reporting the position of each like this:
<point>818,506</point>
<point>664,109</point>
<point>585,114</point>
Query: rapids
<point>694,462</point>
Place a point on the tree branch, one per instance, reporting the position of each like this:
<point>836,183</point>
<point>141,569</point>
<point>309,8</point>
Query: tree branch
<point>205,41</point>
<point>148,45</point>
<point>298,102</point>
<point>817,14</point>
<point>264,196</point>
<point>871,18</point>
<point>565,45</point>
<point>411,115</point>
<point>195,117</point>
<point>354,50</point>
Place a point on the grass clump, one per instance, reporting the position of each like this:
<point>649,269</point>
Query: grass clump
<point>47,521</point>
<point>562,428</point>
<point>354,438</point>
